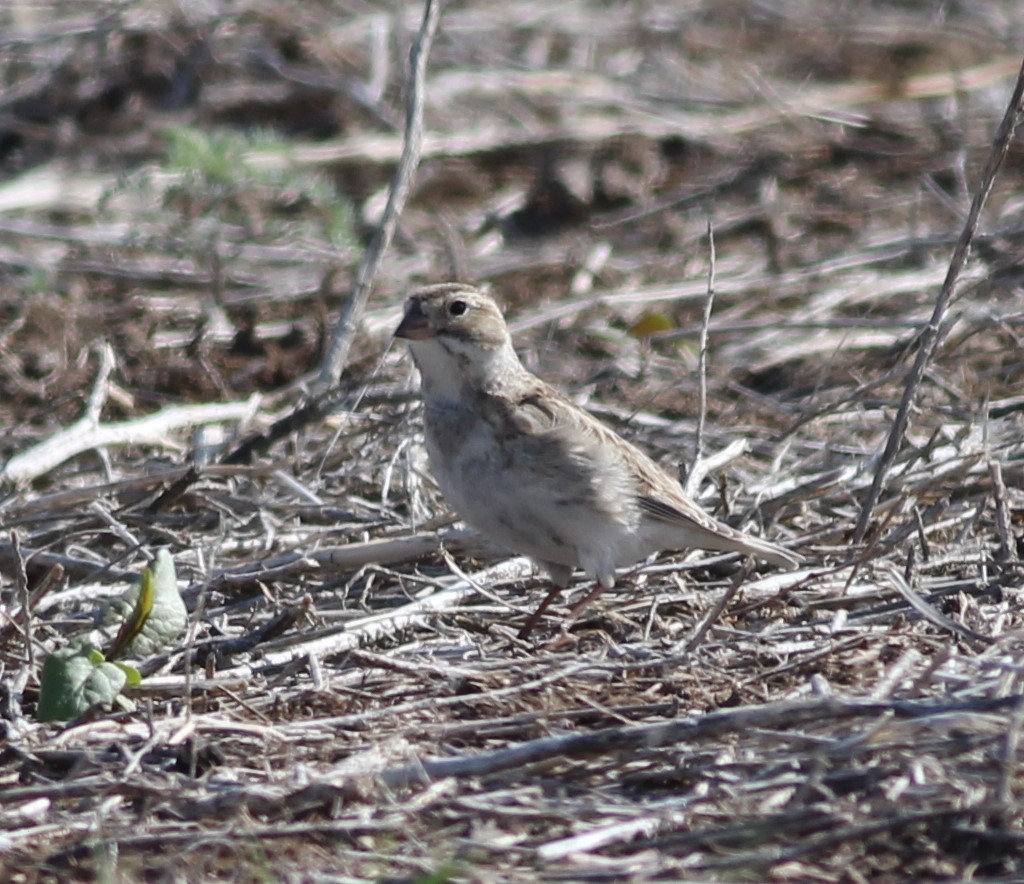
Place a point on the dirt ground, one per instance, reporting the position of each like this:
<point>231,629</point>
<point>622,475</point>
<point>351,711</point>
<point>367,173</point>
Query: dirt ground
<point>186,191</point>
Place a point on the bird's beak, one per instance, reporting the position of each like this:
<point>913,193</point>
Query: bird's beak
<point>415,326</point>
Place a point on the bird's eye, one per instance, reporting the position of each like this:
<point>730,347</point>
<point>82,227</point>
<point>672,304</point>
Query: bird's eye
<point>457,308</point>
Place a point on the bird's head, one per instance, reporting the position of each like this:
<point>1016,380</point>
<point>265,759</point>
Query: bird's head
<point>457,335</point>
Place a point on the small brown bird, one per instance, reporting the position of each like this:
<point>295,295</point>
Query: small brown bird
<point>525,466</point>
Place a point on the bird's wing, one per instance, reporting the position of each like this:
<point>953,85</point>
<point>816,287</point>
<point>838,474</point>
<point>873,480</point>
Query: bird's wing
<point>555,443</point>
<point>678,510</point>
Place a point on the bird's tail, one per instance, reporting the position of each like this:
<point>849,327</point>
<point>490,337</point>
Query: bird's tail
<point>728,539</point>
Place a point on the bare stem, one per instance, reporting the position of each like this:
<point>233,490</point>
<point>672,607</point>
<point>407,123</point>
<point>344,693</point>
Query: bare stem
<point>931,334</point>
<point>352,309</point>
<point>695,474</point>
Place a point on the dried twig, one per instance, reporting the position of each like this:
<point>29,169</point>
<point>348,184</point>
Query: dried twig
<point>383,551</point>
<point>351,312</point>
<point>932,333</point>
<point>692,641</point>
<point>694,475</point>
<point>24,598</point>
<point>620,740</point>
<point>1007,547</point>
<point>929,612</point>
<point>348,318</point>
<point>87,434</point>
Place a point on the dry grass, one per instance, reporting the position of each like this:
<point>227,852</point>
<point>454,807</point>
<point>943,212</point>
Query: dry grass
<point>185,194</point>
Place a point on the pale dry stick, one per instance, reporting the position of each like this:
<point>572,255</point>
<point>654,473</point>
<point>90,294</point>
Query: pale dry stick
<point>694,475</point>
<point>86,434</point>
<point>788,714</point>
<point>1004,791</point>
<point>21,576</point>
<point>531,688</point>
<point>101,387</point>
<point>358,632</point>
<point>737,286</point>
<point>352,310</point>
<point>928,611</point>
<point>1007,552</point>
<point>931,334</point>
<point>697,636</point>
<point>895,674</point>
<point>41,458</point>
<point>119,529</point>
<point>483,591</point>
<point>702,466</point>
<point>382,551</point>
<point>289,482</point>
<point>49,580</point>
<point>57,501</point>
<point>380,32</point>
<point>601,836</point>
<point>735,449</point>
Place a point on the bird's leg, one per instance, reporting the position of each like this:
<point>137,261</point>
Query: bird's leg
<point>577,609</point>
<point>534,618</point>
<point>601,586</point>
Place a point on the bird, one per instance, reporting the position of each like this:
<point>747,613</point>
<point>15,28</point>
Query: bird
<point>531,470</point>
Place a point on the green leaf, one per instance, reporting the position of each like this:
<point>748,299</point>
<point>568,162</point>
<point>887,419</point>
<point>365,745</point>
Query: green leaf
<point>132,674</point>
<point>72,682</point>
<point>157,616</point>
<point>136,620</point>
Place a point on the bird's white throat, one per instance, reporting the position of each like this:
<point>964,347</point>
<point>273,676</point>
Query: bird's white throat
<point>451,368</point>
